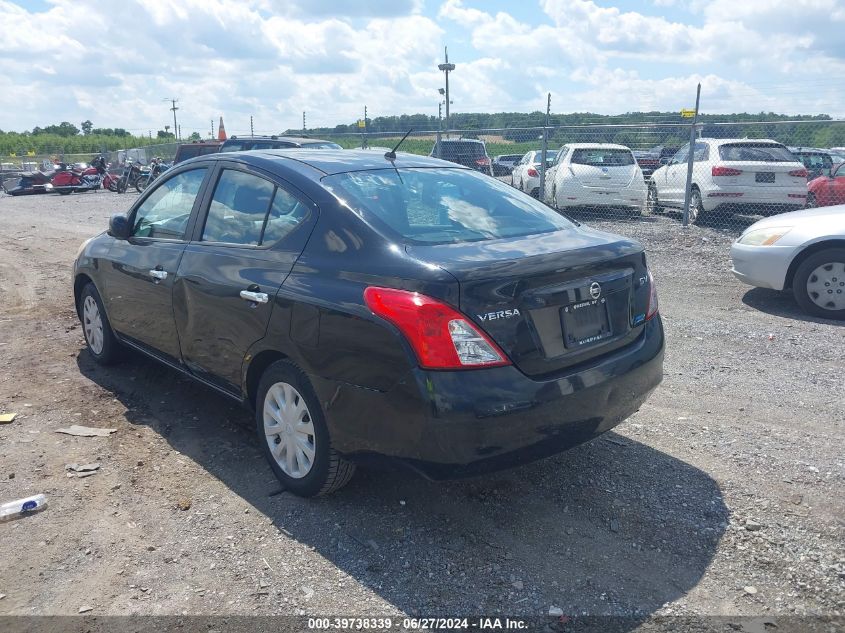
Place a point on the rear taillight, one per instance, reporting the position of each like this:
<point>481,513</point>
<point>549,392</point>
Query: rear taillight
<point>533,172</point>
<point>484,162</point>
<point>725,171</point>
<point>441,337</point>
<point>799,173</point>
<point>652,297</point>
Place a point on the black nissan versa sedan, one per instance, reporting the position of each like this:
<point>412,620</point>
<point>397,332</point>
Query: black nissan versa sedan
<point>373,306</point>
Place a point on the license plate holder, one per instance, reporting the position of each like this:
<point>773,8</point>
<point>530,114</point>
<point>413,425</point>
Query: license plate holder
<point>765,176</point>
<point>585,323</point>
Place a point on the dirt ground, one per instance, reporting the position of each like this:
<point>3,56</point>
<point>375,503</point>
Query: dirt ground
<point>722,495</point>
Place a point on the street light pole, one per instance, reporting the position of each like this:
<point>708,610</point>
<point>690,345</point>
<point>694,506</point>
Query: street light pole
<point>447,68</point>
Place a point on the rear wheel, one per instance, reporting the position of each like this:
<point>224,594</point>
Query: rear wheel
<point>102,344</point>
<point>696,207</point>
<point>294,436</point>
<point>819,284</point>
<point>811,201</point>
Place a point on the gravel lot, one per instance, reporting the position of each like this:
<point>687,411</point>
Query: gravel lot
<point>722,495</point>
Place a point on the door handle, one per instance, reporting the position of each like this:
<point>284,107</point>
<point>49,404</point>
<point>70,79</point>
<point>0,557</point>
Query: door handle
<point>255,297</point>
<point>158,275</point>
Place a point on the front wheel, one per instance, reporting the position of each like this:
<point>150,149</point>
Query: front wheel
<point>142,183</point>
<point>652,204</point>
<point>811,201</point>
<point>294,436</point>
<point>819,284</point>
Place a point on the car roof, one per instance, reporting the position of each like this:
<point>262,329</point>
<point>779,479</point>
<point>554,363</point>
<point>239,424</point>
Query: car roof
<point>283,139</point>
<point>596,146</point>
<point>808,150</point>
<point>333,161</point>
<point>726,141</point>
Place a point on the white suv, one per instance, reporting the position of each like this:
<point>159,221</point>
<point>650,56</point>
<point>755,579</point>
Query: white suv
<point>595,175</point>
<point>732,175</point>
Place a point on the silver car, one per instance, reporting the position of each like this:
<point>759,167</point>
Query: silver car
<point>802,250</point>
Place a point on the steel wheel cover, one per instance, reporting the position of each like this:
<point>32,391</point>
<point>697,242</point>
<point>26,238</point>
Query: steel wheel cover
<point>826,286</point>
<point>289,430</point>
<point>92,324</point>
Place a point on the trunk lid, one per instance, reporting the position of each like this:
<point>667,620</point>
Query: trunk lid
<point>552,300</point>
<point>760,174</point>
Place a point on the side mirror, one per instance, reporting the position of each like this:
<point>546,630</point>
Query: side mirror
<point>665,161</point>
<point>119,227</point>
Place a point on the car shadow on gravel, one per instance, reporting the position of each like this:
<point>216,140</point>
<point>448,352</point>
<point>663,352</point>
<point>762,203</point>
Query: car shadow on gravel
<point>613,527</point>
<point>782,304</point>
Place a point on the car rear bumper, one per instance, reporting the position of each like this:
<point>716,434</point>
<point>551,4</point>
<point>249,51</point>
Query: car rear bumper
<point>630,195</point>
<point>460,423</point>
<point>776,199</point>
<point>761,266</point>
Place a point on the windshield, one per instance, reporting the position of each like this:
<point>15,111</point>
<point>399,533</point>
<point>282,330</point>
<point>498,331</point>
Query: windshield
<point>763,152</point>
<point>439,206</point>
<point>603,157</point>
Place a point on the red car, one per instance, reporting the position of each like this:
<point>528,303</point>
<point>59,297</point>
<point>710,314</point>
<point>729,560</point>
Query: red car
<point>825,191</point>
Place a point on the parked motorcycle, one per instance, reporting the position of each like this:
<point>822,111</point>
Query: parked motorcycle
<point>69,180</point>
<point>156,168</point>
<point>29,183</point>
<point>131,173</point>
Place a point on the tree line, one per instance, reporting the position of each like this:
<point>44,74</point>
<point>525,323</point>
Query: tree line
<point>652,128</point>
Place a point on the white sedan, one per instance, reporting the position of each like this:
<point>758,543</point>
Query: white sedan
<point>526,173</point>
<point>802,250</point>
<point>595,175</point>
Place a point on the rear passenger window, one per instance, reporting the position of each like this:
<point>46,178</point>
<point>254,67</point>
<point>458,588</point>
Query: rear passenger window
<point>238,209</point>
<point>248,210</point>
<point>286,213</point>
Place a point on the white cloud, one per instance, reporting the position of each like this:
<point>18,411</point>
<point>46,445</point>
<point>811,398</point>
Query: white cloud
<point>275,58</point>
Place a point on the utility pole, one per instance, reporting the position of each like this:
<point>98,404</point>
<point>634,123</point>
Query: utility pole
<point>303,124</point>
<point>211,134</point>
<point>542,192</point>
<point>179,135</point>
<point>251,130</point>
<point>364,134</point>
<point>447,68</point>
<point>173,107</point>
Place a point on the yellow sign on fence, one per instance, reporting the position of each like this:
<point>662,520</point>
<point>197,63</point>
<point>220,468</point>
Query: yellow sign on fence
<point>687,114</point>
<point>361,123</point>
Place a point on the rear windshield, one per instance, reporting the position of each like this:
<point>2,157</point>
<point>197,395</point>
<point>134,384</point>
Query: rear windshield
<point>603,157</point>
<point>322,145</point>
<point>763,152</point>
<point>550,157</point>
<point>440,206</point>
<point>455,149</point>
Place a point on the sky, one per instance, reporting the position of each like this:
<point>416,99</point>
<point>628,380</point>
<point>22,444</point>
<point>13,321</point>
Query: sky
<point>116,63</point>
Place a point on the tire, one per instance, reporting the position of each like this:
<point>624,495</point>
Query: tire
<point>300,428</point>
<point>819,284</point>
<point>113,185</point>
<point>554,198</point>
<point>811,201</point>
<point>121,185</point>
<point>652,203</point>
<point>696,206</point>
<point>142,183</point>
<point>99,337</point>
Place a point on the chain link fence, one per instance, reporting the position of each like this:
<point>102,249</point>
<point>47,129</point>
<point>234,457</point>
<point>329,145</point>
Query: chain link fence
<point>736,173</point>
